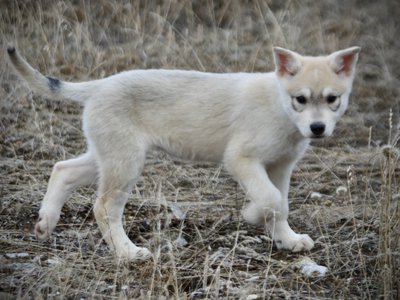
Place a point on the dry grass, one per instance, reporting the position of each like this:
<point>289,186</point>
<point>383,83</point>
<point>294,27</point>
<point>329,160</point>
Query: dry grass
<point>354,218</point>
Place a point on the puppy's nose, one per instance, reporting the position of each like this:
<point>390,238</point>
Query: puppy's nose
<point>317,128</point>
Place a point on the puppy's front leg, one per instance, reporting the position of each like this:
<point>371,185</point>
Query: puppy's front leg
<point>283,236</point>
<point>268,203</point>
<point>265,197</point>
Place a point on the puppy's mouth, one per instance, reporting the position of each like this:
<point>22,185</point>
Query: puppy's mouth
<point>318,137</point>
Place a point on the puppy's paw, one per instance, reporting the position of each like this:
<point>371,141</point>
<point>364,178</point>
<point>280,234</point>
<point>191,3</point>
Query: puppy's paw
<point>44,227</point>
<point>296,243</point>
<point>133,253</point>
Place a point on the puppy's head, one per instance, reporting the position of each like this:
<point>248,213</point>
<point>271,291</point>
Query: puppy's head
<point>315,90</point>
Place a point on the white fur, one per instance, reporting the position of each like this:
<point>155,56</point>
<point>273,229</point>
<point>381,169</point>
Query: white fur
<point>249,122</point>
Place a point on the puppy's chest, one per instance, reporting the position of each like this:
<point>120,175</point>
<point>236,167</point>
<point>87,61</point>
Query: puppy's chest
<point>283,148</point>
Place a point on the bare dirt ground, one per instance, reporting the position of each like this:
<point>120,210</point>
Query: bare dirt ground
<point>345,192</point>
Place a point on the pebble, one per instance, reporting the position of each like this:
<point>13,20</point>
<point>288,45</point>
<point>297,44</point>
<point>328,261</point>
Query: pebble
<point>341,191</point>
<point>53,262</point>
<point>316,196</point>
<point>16,255</point>
<point>310,268</point>
<point>177,212</point>
<point>181,242</point>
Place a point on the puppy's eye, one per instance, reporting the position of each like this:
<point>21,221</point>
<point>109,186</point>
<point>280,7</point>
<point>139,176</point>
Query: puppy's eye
<point>331,99</point>
<point>301,100</point>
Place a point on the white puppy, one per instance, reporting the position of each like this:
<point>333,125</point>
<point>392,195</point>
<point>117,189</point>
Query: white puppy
<point>258,125</point>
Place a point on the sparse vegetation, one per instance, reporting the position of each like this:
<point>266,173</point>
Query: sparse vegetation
<point>345,193</point>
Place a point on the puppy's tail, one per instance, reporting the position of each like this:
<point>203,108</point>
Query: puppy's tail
<point>79,91</point>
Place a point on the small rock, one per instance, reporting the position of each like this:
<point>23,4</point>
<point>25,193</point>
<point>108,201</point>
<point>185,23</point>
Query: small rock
<point>316,196</point>
<point>310,268</point>
<point>181,242</point>
<point>200,292</point>
<point>54,262</point>
<point>17,255</point>
<point>341,191</point>
<point>177,212</point>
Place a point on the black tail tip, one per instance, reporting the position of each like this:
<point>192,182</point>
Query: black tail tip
<point>11,50</point>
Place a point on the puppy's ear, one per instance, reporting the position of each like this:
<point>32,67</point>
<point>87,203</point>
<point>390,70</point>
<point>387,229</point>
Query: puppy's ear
<point>344,62</point>
<point>287,63</point>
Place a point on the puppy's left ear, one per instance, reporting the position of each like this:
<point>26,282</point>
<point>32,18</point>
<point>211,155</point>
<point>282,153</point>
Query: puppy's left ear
<point>344,62</point>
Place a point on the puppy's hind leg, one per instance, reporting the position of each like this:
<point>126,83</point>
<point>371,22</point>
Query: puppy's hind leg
<point>66,177</point>
<point>117,177</point>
